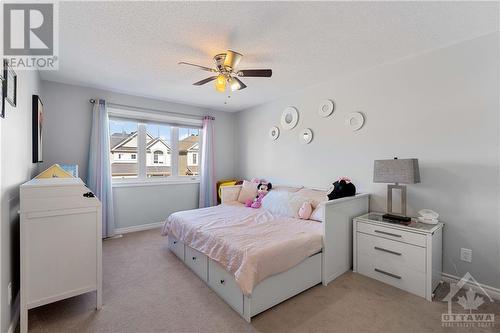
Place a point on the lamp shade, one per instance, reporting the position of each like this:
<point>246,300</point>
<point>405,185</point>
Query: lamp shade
<point>403,171</point>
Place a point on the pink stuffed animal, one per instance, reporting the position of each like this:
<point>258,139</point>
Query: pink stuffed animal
<point>262,190</point>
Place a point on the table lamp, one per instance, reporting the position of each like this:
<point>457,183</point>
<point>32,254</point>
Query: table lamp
<point>396,171</point>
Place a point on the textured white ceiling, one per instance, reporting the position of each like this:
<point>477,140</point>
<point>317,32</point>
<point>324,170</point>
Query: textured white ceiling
<point>134,47</point>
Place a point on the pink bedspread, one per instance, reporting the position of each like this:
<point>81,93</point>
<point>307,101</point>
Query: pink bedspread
<point>252,244</point>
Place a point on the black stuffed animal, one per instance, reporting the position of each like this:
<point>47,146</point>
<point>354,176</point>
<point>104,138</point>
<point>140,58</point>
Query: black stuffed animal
<point>342,188</point>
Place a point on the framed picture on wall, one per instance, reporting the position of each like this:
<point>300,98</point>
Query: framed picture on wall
<point>37,129</point>
<point>10,84</point>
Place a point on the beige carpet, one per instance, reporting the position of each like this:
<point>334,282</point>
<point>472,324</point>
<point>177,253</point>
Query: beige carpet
<point>147,289</point>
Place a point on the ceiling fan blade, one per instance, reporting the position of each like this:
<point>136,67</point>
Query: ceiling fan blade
<point>202,82</point>
<point>239,86</point>
<point>208,69</point>
<point>255,73</point>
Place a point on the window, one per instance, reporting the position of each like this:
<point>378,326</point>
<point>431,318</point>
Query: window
<point>188,150</point>
<point>123,141</point>
<point>158,150</point>
<point>157,157</point>
<point>147,150</point>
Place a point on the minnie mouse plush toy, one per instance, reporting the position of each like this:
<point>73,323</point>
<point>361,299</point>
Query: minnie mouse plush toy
<point>262,190</point>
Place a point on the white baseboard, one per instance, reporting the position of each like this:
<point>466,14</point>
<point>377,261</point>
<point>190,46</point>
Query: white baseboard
<point>141,227</point>
<point>15,316</point>
<point>492,291</point>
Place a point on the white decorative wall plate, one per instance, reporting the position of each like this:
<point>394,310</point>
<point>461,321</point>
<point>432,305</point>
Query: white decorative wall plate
<point>274,132</point>
<point>306,136</point>
<point>289,118</point>
<point>326,108</point>
<point>355,120</point>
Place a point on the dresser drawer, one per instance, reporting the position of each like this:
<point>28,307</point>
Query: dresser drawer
<point>225,286</point>
<point>391,233</point>
<point>197,261</point>
<point>391,253</point>
<point>398,276</point>
<point>176,247</point>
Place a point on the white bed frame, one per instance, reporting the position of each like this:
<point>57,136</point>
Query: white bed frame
<point>334,260</point>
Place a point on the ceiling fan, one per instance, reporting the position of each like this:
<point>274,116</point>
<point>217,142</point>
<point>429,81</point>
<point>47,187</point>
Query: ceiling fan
<point>226,72</point>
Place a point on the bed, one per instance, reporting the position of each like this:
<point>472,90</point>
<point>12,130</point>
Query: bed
<point>254,259</point>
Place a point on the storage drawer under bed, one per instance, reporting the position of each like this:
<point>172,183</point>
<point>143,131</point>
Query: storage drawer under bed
<point>197,261</point>
<point>176,247</point>
<point>224,284</point>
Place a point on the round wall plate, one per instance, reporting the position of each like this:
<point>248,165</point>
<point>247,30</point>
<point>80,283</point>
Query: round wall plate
<point>274,132</point>
<point>355,120</point>
<point>326,108</point>
<point>306,136</point>
<point>289,118</point>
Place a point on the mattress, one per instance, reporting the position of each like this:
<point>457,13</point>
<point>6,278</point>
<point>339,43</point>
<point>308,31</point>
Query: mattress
<point>252,244</point>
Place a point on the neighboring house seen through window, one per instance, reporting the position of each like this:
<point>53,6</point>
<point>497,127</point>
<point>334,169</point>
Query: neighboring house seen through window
<point>170,151</point>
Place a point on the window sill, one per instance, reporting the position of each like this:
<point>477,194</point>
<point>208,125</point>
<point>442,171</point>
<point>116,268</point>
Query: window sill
<point>137,182</point>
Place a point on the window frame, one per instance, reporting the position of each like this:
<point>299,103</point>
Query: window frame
<point>142,118</point>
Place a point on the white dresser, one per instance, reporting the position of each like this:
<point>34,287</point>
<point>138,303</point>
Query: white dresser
<point>407,257</point>
<point>61,246</point>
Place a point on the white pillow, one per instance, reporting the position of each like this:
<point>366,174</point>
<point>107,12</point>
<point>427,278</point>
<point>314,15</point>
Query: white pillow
<point>283,203</point>
<point>318,214</point>
<point>248,191</point>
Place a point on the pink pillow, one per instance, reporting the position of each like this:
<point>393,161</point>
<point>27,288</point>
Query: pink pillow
<point>248,191</point>
<point>315,197</point>
<point>305,211</point>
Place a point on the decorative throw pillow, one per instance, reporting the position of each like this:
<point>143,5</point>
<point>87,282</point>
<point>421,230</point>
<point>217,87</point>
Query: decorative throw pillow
<point>318,214</point>
<point>282,203</point>
<point>305,211</point>
<point>248,191</point>
<point>315,197</point>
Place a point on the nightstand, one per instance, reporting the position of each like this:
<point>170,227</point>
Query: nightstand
<point>407,257</point>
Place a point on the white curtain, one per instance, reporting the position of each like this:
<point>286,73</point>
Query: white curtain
<point>208,191</point>
<point>99,169</point>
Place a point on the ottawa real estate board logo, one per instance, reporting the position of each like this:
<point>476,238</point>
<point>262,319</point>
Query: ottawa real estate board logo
<point>30,38</point>
<point>468,313</point>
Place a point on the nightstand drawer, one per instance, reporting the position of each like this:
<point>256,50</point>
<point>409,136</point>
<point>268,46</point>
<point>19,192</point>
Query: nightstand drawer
<point>398,276</point>
<point>392,233</point>
<point>391,253</point>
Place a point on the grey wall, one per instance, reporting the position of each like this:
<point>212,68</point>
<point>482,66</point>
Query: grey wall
<point>150,204</point>
<point>16,168</point>
<point>441,107</point>
<point>67,137</point>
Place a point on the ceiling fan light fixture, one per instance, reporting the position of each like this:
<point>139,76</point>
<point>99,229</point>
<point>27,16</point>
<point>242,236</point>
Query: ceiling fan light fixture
<point>234,84</point>
<point>232,59</point>
<point>220,83</point>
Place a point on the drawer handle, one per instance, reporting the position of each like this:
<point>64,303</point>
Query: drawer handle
<point>388,251</point>
<point>387,233</point>
<point>388,274</point>
<point>194,258</point>
<point>222,282</point>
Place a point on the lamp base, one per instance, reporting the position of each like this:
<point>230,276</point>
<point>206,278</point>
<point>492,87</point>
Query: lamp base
<point>397,219</point>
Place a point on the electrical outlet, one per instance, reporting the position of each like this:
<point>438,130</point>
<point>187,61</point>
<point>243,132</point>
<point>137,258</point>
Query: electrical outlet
<point>466,255</point>
<point>9,293</point>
